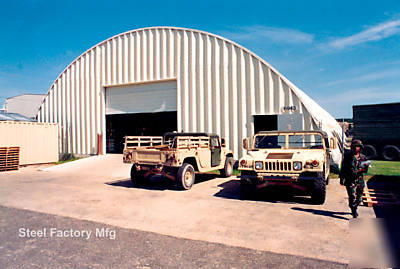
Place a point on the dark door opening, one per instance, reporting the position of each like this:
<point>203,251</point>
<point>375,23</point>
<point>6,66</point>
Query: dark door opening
<point>120,125</point>
<point>265,123</point>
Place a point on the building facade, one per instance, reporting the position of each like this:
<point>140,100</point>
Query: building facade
<point>157,79</point>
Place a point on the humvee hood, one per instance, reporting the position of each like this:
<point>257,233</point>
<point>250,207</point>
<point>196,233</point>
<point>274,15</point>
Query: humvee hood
<point>286,155</point>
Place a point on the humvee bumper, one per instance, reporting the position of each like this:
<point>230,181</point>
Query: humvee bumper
<point>265,177</point>
<point>158,169</point>
<point>261,181</point>
<point>284,177</point>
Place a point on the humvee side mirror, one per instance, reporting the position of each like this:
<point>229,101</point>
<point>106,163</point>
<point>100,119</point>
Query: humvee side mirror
<point>332,142</point>
<point>246,143</point>
<point>223,142</point>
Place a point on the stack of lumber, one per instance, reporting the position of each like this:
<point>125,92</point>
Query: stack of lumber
<point>9,158</point>
<point>373,197</point>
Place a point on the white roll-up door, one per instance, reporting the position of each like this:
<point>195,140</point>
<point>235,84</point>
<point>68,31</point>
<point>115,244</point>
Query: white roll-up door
<point>141,98</point>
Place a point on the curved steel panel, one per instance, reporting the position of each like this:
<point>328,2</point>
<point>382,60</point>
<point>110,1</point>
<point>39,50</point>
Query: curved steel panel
<point>220,85</point>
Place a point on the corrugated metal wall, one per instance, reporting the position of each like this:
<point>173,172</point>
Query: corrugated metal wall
<point>220,85</point>
<point>38,142</point>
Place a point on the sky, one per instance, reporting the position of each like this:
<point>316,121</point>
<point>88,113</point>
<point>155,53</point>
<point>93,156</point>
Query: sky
<point>340,53</point>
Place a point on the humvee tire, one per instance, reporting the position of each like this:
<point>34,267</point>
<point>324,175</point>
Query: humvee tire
<point>326,176</point>
<point>228,168</point>
<point>137,177</point>
<point>185,176</point>
<point>318,192</point>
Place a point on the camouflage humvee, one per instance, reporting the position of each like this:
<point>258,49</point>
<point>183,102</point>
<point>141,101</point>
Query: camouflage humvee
<point>177,156</point>
<point>300,159</point>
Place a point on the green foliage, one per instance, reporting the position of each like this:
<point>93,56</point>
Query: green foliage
<point>235,172</point>
<point>67,157</point>
<point>384,168</point>
<point>333,175</point>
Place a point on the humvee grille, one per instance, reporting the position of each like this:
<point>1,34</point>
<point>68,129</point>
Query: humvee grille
<point>278,166</point>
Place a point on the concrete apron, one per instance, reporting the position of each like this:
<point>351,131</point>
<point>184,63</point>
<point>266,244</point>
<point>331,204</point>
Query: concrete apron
<point>210,211</point>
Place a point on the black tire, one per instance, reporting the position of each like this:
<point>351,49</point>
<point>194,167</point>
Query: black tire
<point>246,190</point>
<point>185,176</point>
<point>390,153</point>
<point>137,176</point>
<point>325,176</point>
<point>318,193</point>
<point>228,167</point>
<point>370,152</point>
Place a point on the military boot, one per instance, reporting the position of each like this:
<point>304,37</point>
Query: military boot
<point>354,212</point>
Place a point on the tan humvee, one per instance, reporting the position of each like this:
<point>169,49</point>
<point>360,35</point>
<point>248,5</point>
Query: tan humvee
<point>300,159</point>
<point>177,156</point>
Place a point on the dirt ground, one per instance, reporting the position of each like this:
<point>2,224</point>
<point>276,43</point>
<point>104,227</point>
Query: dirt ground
<point>98,189</point>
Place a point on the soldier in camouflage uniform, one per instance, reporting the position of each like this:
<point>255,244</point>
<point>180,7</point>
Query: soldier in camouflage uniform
<point>351,175</point>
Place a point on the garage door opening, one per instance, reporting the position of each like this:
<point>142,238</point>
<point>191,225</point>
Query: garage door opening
<point>139,109</point>
<point>120,125</point>
<point>282,122</point>
<point>265,123</point>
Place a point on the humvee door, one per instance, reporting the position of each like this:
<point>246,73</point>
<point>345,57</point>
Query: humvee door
<point>215,148</point>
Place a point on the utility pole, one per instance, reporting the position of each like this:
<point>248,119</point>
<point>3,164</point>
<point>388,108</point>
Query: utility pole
<point>342,138</point>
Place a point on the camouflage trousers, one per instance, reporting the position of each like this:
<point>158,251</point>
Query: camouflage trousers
<point>355,191</point>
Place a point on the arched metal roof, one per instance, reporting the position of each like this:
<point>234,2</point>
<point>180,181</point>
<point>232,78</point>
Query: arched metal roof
<point>221,85</point>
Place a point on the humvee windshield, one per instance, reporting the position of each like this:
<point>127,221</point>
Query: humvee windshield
<point>170,140</point>
<point>270,141</point>
<point>298,141</point>
<point>307,141</point>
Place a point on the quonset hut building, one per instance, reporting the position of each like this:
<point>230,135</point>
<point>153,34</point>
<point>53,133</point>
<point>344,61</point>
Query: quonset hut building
<point>152,80</point>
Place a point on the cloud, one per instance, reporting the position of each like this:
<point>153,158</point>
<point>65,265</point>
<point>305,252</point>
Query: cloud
<point>275,34</point>
<point>368,77</point>
<point>374,33</point>
<point>360,95</point>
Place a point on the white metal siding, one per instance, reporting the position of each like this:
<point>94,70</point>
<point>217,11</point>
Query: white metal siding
<point>142,98</point>
<point>38,142</point>
<point>220,85</point>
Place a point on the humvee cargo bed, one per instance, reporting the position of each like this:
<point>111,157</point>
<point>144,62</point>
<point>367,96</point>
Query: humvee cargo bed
<point>176,156</point>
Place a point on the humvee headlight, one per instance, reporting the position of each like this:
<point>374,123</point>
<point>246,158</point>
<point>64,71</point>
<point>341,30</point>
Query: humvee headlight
<point>258,165</point>
<point>297,165</point>
<point>246,163</point>
<point>311,163</point>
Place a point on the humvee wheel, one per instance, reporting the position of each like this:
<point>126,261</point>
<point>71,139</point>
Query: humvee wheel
<point>228,168</point>
<point>137,176</point>
<point>326,176</point>
<point>185,176</point>
<point>318,193</point>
